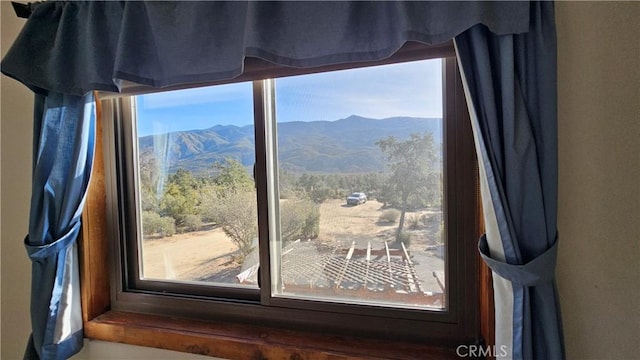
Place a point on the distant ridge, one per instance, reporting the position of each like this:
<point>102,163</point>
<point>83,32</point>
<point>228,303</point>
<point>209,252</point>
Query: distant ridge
<point>341,146</point>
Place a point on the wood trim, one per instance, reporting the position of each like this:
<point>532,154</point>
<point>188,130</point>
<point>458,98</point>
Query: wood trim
<point>237,341</point>
<point>93,244</point>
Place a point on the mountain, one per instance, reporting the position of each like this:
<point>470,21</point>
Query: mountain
<point>340,146</point>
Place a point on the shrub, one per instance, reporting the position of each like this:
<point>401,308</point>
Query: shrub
<point>311,228</point>
<point>287,194</point>
<point>390,216</point>
<point>320,194</point>
<point>235,211</point>
<point>404,238</point>
<point>154,224</point>
<point>430,220</point>
<point>192,223</point>
<point>299,219</point>
<point>414,222</point>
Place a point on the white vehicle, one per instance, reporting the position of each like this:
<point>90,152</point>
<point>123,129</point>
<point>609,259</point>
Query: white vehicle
<point>356,198</point>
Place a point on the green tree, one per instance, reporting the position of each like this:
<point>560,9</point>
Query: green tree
<point>181,197</point>
<point>233,175</point>
<point>413,171</point>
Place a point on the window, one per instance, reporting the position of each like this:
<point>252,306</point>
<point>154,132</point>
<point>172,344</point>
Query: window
<point>381,132</point>
<point>194,196</point>
<point>340,199</point>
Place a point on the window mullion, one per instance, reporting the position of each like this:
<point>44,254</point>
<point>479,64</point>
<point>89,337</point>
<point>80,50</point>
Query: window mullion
<point>266,183</point>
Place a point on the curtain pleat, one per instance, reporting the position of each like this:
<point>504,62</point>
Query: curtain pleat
<point>73,47</point>
<point>510,83</point>
<point>64,135</point>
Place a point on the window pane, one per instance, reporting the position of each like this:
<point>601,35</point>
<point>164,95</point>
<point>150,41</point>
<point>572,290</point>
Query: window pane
<point>197,198</point>
<point>360,182</point>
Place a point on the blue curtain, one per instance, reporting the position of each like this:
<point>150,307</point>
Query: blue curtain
<point>64,134</point>
<point>73,47</point>
<point>510,83</point>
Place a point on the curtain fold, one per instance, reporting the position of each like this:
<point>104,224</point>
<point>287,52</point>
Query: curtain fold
<point>64,134</point>
<point>510,84</point>
<point>74,47</point>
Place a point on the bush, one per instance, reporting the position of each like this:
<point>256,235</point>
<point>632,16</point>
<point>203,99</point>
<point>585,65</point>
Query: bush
<point>404,238</point>
<point>414,222</point>
<point>235,211</point>
<point>299,219</point>
<point>430,220</point>
<point>192,223</point>
<point>311,228</point>
<point>321,194</point>
<point>154,224</point>
<point>389,216</point>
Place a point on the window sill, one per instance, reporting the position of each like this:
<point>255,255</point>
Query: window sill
<point>237,341</point>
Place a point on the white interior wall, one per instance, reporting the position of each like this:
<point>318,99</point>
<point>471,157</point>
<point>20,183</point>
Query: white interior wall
<point>15,160</point>
<point>599,178</point>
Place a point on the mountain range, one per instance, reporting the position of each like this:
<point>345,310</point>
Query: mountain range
<point>340,146</point>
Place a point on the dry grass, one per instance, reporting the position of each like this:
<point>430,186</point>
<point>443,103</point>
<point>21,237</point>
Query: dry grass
<point>209,255</point>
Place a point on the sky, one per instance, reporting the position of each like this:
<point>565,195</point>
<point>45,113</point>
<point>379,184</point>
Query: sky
<point>408,89</point>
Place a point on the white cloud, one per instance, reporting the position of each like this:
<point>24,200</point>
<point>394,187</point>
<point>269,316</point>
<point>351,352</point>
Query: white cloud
<point>409,89</point>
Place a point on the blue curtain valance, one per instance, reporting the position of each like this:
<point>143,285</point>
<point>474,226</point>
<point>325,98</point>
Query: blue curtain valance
<point>76,47</point>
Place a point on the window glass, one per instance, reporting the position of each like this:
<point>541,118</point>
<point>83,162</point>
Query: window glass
<point>360,183</point>
<point>196,192</point>
<point>355,194</point>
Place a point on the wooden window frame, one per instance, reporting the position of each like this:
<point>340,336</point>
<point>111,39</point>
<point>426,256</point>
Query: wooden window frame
<point>104,320</point>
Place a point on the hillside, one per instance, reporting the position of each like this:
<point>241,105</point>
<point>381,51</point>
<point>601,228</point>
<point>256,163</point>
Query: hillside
<point>341,146</point>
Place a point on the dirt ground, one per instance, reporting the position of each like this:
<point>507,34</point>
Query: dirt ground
<point>189,256</point>
<point>208,255</point>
